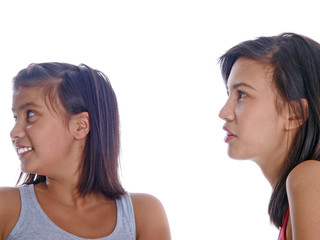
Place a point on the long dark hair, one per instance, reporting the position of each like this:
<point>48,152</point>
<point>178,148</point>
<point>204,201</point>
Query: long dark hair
<point>295,60</point>
<point>82,89</point>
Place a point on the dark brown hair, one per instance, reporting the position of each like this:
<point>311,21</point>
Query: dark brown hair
<point>295,60</point>
<point>82,89</point>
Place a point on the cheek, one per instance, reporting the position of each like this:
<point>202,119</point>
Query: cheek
<point>251,120</point>
<point>248,119</point>
<point>32,132</point>
<point>261,127</point>
<point>47,134</point>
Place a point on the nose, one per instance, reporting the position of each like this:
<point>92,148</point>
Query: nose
<point>17,132</point>
<point>227,112</point>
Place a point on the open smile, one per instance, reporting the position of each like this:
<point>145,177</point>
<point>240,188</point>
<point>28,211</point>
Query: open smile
<point>23,150</point>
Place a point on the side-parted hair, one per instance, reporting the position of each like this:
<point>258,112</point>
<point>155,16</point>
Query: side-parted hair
<point>295,60</point>
<point>82,89</point>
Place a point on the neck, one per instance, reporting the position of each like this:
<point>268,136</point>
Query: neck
<point>271,173</point>
<point>63,194</point>
<point>63,191</point>
<point>271,167</point>
<point>272,162</point>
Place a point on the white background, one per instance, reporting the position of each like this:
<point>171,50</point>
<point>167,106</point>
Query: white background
<point>161,58</point>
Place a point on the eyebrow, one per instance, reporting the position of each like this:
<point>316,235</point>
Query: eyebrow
<point>26,105</point>
<point>242,84</point>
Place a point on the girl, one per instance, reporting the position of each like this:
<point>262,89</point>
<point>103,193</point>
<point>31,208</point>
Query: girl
<point>66,135</point>
<point>272,116</point>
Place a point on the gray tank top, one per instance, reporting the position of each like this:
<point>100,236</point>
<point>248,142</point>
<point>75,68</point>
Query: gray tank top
<point>33,223</point>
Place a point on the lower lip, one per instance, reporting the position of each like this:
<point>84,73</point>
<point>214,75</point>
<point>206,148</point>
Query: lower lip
<point>23,154</point>
<point>229,138</point>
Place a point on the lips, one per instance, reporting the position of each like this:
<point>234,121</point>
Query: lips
<point>230,136</point>
<point>23,150</point>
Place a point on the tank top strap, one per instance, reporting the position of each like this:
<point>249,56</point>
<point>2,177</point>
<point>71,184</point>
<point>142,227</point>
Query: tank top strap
<point>125,215</point>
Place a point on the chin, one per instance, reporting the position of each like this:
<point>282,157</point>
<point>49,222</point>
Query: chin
<point>27,169</point>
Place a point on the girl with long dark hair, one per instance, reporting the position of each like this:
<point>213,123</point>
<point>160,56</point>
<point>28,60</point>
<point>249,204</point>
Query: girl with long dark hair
<point>272,116</point>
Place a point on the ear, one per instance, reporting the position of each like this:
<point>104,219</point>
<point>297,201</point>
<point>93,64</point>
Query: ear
<point>298,112</point>
<point>81,123</point>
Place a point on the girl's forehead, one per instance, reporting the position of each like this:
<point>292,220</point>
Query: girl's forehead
<point>27,93</point>
<point>34,96</point>
<point>250,71</point>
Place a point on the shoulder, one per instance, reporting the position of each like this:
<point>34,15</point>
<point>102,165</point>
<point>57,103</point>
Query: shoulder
<point>304,174</point>
<point>150,217</point>
<point>10,205</point>
<point>303,182</point>
<point>303,190</point>
<point>9,197</point>
<point>144,200</point>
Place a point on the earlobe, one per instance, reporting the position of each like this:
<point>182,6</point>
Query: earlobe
<point>297,114</point>
<point>82,127</point>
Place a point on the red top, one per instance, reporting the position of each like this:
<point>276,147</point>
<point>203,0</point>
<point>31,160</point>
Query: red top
<point>282,234</point>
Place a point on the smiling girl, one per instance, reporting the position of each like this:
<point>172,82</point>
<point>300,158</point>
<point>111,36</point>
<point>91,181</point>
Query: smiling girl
<point>272,116</point>
<point>66,135</point>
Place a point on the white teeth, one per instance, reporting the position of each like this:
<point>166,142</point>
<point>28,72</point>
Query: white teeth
<point>22,150</point>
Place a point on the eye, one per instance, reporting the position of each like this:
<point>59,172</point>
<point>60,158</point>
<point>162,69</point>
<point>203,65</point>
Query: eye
<point>15,117</point>
<point>30,114</point>
<point>241,94</point>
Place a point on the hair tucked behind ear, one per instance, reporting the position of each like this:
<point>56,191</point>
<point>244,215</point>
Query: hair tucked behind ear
<point>83,89</point>
<point>296,63</point>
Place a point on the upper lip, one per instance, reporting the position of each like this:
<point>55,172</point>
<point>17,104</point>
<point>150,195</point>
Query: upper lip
<point>228,131</point>
<point>17,147</point>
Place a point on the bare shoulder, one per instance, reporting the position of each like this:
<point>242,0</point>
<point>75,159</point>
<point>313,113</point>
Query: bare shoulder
<point>305,173</point>
<point>9,191</point>
<point>10,205</point>
<point>150,217</point>
<point>145,201</point>
<point>303,189</point>
<point>9,197</point>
